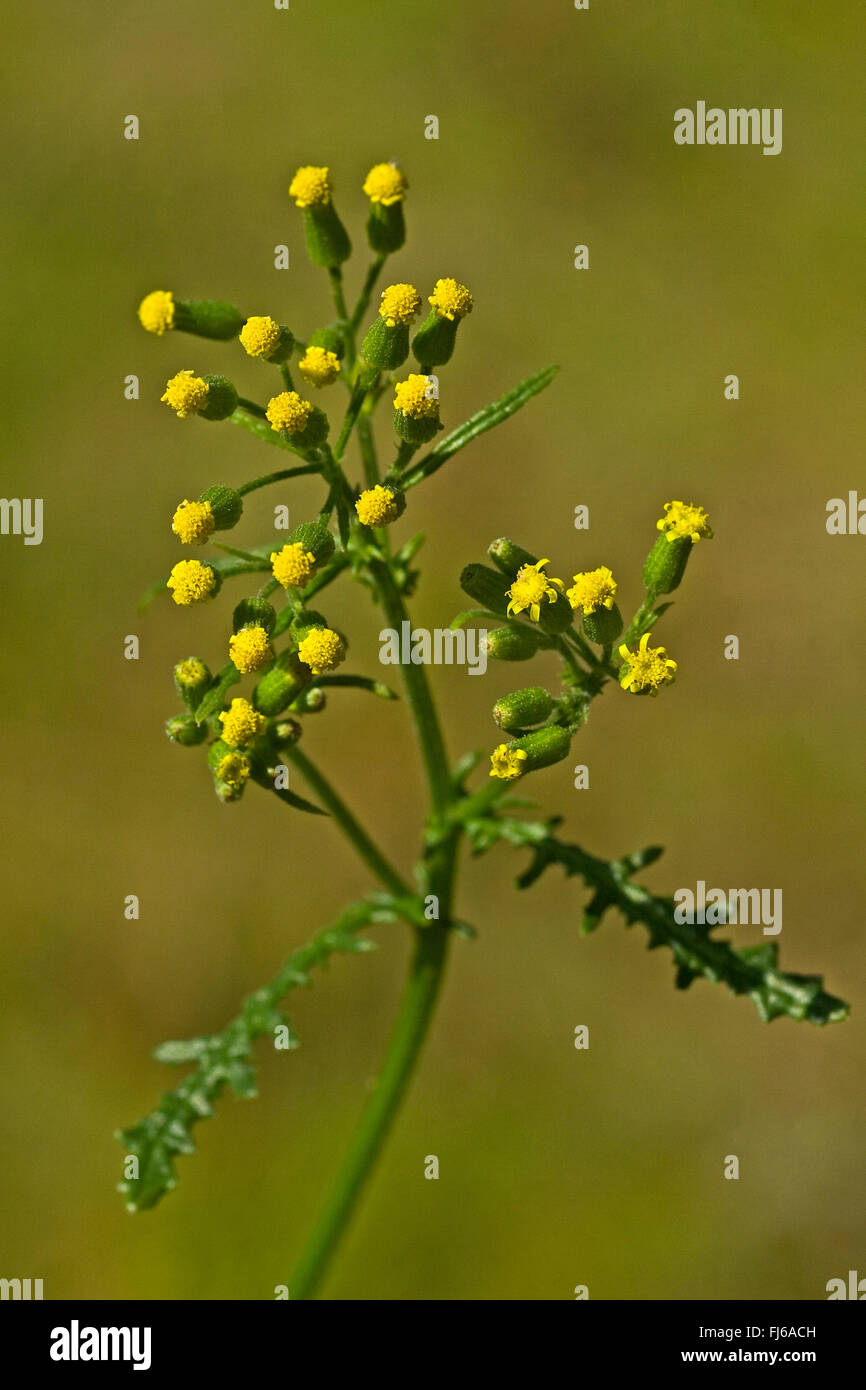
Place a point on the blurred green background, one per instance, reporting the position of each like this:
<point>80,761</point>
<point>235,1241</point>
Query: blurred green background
<point>558,1167</point>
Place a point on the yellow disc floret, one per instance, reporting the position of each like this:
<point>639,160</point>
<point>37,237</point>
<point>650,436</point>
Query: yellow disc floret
<point>186,393</point>
<point>293,565</point>
<point>250,649</point>
<point>531,589</point>
<point>507,762</point>
<point>311,186</point>
<point>241,723</point>
<point>450,299</point>
<point>233,769</point>
<point>386,184</point>
<point>684,520</point>
<point>193,522</point>
<point>289,412</point>
<point>156,312</point>
<point>319,366</point>
<point>416,397</point>
<point>647,669</point>
<point>322,650</point>
<point>260,336</point>
<point>191,582</point>
<point>377,506</point>
<point>593,589</point>
<point>400,304</point>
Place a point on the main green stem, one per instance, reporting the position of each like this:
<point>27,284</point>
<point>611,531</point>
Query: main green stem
<point>421,992</point>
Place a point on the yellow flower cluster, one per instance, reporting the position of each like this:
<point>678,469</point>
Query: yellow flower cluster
<point>193,523</point>
<point>186,393</point>
<point>399,304</point>
<point>450,299</point>
<point>292,566</point>
<point>377,506</point>
<point>233,769</point>
<point>319,366</point>
<point>386,184</point>
<point>191,582</point>
<point>322,650</point>
<point>531,589</point>
<point>250,649</point>
<point>156,312</point>
<point>415,397</point>
<point>506,762</point>
<point>289,412</point>
<point>241,724</point>
<point>593,589</point>
<point>647,669</point>
<point>260,336</point>
<point>684,520</point>
<point>311,186</point>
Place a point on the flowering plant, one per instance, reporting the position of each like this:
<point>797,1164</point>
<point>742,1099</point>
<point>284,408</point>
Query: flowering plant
<point>297,657</point>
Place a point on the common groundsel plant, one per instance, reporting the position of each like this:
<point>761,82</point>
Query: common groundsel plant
<point>294,657</point>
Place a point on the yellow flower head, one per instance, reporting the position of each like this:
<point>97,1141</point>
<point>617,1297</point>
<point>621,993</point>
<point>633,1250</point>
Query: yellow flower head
<point>186,393</point>
<point>260,336</point>
<point>193,522</point>
<point>506,762</point>
<point>311,186</point>
<point>241,723</point>
<point>684,520</point>
<point>386,184</point>
<point>531,589</point>
<point>319,366</point>
<point>289,412</point>
<point>250,649</point>
<point>647,669</point>
<point>400,304</point>
<point>415,397</point>
<point>322,650</point>
<point>292,566</point>
<point>593,589</point>
<point>450,299</point>
<point>191,672</point>
<point>156,312</point>
<point>377,506</point>
<point>191,582</point>
<point>233,769</point>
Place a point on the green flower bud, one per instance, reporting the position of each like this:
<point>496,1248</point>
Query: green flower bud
<point>230,769</point>
<point>385,346</point>
<point>192,679</point>
<point>303,621</point>
<point>310,701</point>
<point>666,564</point>
<point>434,342</point>
<point>556,615</point>
<point>523,708</point>
<point>603,626</point>
<point>222,399</point>
<point>487,587</point>
<point>544,746</point>
<point>287,732</point>
<point>315,537</point>
<point>281,685</point>
<point>182,729</point>
<point>254,612</point>
<point>329,338</point>
<point>510,557</point>
<point>226,504</point>
<point>314,433</point>
<point>511,643</point>
<point>328,241</point>
<point>207,318</point>
<point>416,429</point>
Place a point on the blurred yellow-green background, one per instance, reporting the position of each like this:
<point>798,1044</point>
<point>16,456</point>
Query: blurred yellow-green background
<point>557,1167</point>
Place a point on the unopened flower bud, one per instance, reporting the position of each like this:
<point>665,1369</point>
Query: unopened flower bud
<point>523,708</point>
<point>488,587</point>
<point>510,557</point>
<point>182,729</point>
<point>192,679</point>
<point>511,643</point>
